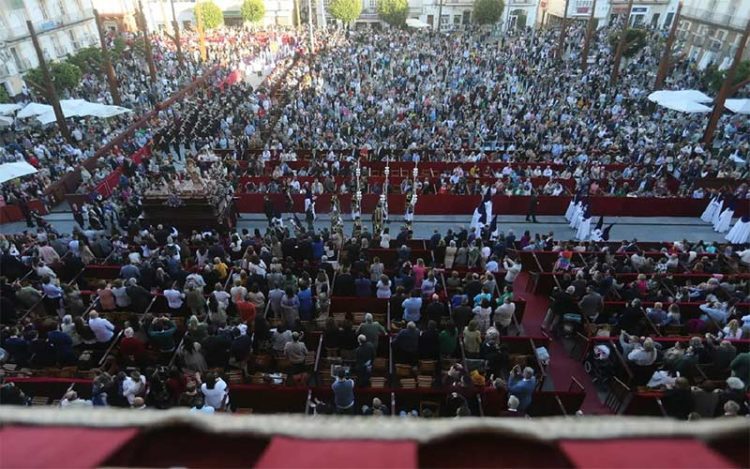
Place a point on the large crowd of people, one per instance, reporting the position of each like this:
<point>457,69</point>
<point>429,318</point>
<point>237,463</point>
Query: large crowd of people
<point>187,311</point>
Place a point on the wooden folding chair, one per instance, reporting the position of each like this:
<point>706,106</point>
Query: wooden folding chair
<point>377,382</point>
<point>404,371</point>
<point>408,383</point>
<point>427,366</point>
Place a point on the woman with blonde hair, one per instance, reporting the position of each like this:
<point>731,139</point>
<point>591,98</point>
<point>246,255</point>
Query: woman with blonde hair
<point>732,331</point>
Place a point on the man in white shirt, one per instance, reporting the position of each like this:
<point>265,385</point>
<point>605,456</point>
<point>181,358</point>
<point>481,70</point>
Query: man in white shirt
<point>103,329</point>
<point>214,391</point>
<point>133,386</point>
<point>512,270</point>
<point>174,298</point>
<point>71,401</point>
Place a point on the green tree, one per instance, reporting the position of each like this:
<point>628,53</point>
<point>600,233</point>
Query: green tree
<point>713,78</point>
<point>118,47</point>
<point>65,76</point>
<point>253,10</point>
<point>89,60</point>
<point>635,40</point>
<point>4,96</point>
<point>345,11</point>
<point>393,12</point>
<point>488,11</point>
<point>211,15</point>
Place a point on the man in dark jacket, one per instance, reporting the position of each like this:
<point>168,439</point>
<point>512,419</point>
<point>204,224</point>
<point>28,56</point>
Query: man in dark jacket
<point>365,355</point>
<point>140,298</point>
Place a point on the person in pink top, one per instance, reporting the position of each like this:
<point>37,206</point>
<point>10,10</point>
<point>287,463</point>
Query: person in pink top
<point>419,272</point>
<point>106,297</point>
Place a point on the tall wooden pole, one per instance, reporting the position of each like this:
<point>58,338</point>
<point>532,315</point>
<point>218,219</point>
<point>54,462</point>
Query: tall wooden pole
<point>310,25</point>
<point>666,56</point>
<point>587,44</point>
<point>50,85</point>
<point>299,17</point>
<point>177,42</point>
<point>107,68</point>
<point>147,44</point>
<point>201,32</point>
<point>727,88</point>
<point>620,47</point>
<point>440,16</point>
<point>563,31</point>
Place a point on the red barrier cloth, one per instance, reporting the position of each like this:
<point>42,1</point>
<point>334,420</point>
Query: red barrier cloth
<point>11,213</point>
<point>642,453</point>
<point>332,454</point>
<point>57,447</point>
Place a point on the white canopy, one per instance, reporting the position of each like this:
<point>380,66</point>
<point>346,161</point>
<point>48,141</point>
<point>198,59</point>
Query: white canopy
<point>6,121</point>
<point>416,23</point>
<point>71,108</point>
<point>33,109</point>
<point>6,109</point>
<point>680,95</point>
<point>10,171</point>
<point>740,106</point>
<point>684,106</point>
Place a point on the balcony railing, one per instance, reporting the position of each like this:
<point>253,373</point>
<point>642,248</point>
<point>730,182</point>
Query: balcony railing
<point>20,32</point>
<point>716,18</point>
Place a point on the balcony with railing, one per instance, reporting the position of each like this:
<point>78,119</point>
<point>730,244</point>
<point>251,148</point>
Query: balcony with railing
<point>638,3</point>
<point>22,32</point>
<point>716,18</point>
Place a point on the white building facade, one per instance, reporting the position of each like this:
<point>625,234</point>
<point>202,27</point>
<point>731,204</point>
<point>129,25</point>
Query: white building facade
<point>63,27</point>
<point>710,31</point>
<point>656,14</point>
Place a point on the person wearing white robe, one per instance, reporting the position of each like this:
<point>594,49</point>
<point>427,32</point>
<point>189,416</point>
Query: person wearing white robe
<point>584,228</point>
<point>740,232</point>
<point>717,212</point>
<point>725,219</point>
<point>708,213</point>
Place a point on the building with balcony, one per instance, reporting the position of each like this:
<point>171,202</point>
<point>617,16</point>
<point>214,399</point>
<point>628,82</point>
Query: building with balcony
<point>63,27</point>
<point>656,14</point>
<point>519,14</point>
<point>710,30</point>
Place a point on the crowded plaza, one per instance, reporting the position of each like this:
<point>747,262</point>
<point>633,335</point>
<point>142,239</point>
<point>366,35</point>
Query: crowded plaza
<point>379,223</point>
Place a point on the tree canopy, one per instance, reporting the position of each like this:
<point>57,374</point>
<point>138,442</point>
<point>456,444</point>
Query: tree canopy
<point>345,11</point>
<point>210,13</point>
<point>4,96</point>
<point>488,11</point>
<point>393,12</point>
<point>635,40</point>
<point>65,76</point>
<point>253,10</point>
<point>88,59</point>
<point>713,77</point>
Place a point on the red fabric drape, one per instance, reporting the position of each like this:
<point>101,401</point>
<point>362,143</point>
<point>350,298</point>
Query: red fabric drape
<point>642,453</point>
<point>60,446</point>
<point>333,454</point>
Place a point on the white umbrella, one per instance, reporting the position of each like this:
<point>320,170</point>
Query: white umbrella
<point>10,171</point>
<point>684,106</point>
<point>6,109</point>
<point>6,121</point>
<point>104,111</point>
<point>33,109</point>
<point>740,106</point>
<point>687,95</point>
